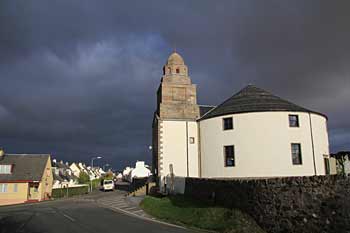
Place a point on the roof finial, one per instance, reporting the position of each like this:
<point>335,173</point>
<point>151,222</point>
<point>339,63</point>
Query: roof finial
<point>174,47</point>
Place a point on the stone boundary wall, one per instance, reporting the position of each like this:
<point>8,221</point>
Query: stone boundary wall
<point>291,204</point>
<point>175,185</point>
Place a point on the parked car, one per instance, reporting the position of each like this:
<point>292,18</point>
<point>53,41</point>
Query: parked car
<point>108,185</point>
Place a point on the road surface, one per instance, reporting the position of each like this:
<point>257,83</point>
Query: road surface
<point>75,215</point>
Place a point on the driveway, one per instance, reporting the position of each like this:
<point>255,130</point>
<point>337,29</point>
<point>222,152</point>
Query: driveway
<point>82,214</point>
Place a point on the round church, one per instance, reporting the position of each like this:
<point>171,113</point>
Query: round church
<point>251,134</point>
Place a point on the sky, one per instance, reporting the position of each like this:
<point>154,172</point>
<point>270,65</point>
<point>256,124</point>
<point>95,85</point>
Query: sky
<point>78,78</point>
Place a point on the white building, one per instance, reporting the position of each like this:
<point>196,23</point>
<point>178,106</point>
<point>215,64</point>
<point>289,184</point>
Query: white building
<point>140,171</point>
<point>75,169</point>
<point>127,173</point>
<point>251,134</point>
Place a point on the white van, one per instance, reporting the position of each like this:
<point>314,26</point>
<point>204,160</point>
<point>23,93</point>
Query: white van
<point>108,185</point>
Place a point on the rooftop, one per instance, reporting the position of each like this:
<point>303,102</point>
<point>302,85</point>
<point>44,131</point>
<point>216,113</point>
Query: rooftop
<point>26,167</point>
<point>254,99</point>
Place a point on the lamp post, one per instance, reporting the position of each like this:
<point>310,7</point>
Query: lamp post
<point>92,166</point>
<point>106,165</point>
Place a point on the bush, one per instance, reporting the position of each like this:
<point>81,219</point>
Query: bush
<point>72,191</point>
<point>83,178</point>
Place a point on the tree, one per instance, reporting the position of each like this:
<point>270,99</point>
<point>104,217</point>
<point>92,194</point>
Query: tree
<point>341,158</point>
<point>83,178</point>
<point>109,176</point>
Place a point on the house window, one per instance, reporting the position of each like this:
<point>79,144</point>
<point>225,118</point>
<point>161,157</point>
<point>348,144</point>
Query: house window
<point>15,188</point>
<point>3,188</point>
<point>228,123</point>
<point>296,154</point>
<point>5,169</point>
<point>229,156</point>
<point>192,140</point>
<point>293,121</point>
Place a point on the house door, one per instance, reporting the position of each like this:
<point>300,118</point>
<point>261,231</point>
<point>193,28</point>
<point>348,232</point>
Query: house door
<point>33,193</point>
<point>326,166</point>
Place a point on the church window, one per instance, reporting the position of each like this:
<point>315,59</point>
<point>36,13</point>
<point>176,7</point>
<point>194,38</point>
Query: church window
<point>229,156</point>
<point>293,121</point>
<point>177,70</point>
<point>228,123</point>
<point>296,154</point>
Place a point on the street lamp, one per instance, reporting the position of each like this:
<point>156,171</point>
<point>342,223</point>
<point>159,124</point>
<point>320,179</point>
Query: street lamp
<point>92,166</point>
<point>106,165</point>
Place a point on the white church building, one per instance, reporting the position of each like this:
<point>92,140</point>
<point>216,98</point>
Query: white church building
<point>251,134</point>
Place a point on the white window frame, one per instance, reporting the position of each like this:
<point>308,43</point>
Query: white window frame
<point>5,169</point>
<point>3,188</point>
<point>15,188</point>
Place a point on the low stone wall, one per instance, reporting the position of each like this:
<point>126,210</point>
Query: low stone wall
<point>293,204</point>
<point>175,185</point>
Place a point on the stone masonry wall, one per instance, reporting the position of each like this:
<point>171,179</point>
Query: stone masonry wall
<point>293,204</point>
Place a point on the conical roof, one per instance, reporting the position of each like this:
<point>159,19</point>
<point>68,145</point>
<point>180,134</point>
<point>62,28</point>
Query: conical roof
<point>254,99</point>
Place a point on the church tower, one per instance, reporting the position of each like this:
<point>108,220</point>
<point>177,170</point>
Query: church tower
<point>177,97</point>
<point>175,132</point>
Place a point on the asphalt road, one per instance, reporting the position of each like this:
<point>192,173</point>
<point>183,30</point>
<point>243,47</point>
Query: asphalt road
<point>73,216</point>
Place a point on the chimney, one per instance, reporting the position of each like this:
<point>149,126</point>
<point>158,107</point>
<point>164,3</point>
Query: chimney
<point>2,153</point>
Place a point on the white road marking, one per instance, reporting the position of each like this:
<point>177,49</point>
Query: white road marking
<point>137,211</point>
<point>69,217</point>
<point>120,206</point>
<point>131,208</point>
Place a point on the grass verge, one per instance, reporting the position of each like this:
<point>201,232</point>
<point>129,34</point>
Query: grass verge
<point>191,213</point>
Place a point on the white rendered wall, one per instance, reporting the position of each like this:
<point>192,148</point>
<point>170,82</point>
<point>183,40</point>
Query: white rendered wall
<point>262,142</point>
<point>174,143</point>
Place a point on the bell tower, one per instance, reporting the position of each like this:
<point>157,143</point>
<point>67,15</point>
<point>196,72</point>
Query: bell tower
<point>176,96</point>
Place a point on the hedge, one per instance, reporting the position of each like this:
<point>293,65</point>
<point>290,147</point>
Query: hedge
<point>72,191</point>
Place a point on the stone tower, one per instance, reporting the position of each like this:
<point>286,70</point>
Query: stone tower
<point>175,130</point>
<point>176,96</point>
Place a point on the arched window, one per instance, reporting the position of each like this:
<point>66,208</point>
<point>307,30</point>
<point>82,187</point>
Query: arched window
<point>177,70</point>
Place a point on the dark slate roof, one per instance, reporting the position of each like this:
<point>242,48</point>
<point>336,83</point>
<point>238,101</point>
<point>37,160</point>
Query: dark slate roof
<point>26,167</point>
<point>254,99</point>
<point>57,177</point>
<point>203,109</point>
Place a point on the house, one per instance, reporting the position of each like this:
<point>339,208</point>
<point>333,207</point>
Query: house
<point>342,162</point>
<point>75,169</point>
<point>253,133</point>
<point>63,176</point>
<point>126,173</point>
<point>24,178</point>
<point>140,171</point>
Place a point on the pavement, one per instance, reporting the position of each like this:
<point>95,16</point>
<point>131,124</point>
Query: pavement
<point>93,213</point>
<point>121,202</point>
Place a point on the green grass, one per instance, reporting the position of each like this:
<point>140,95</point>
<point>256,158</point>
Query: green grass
<point>179,210</point>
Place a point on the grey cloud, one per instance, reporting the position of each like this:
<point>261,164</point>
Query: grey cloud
<point>80,77</point>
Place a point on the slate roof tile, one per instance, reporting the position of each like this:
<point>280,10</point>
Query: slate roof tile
<point>26,167</point>
<point>254,99</point>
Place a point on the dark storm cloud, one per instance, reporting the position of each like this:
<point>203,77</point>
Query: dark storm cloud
<point>78,78</point>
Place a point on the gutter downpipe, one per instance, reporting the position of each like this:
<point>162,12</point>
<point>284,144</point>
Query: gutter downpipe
<point>313,146</point>
<point>188,171</point>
